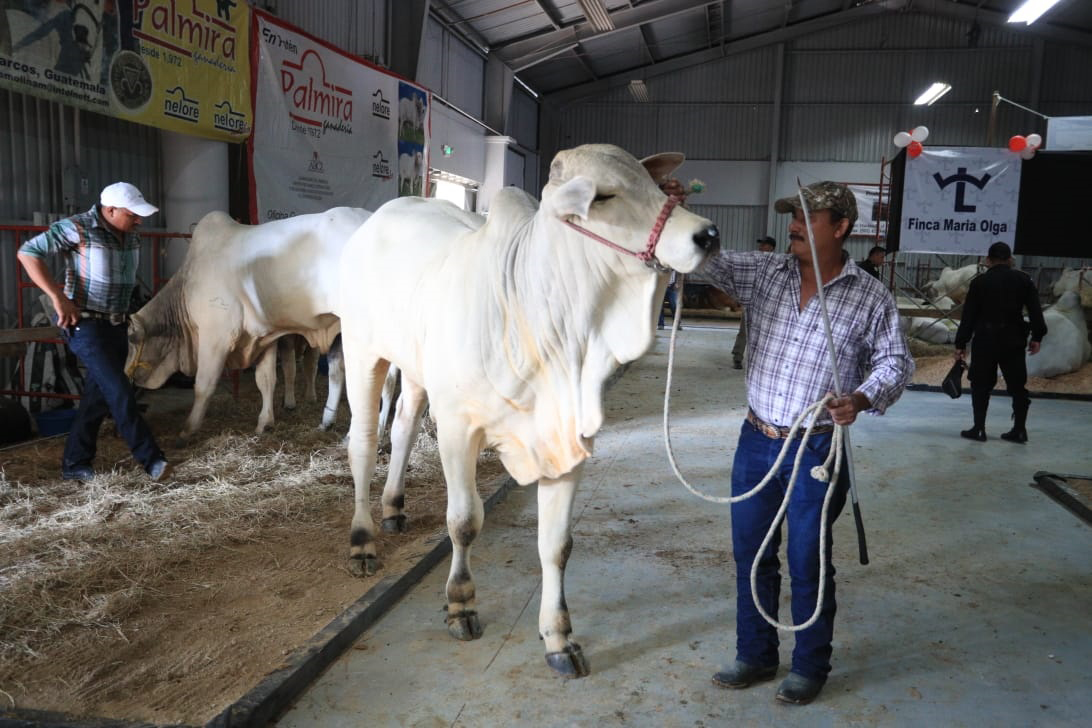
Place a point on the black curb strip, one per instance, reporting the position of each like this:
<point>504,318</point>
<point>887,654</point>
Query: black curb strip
<point>1002,393</point>
<point>1050,484</point>
<point>281,687</point>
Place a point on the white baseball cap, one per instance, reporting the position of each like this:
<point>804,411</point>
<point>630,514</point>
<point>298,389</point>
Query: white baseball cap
<point>123,194</point>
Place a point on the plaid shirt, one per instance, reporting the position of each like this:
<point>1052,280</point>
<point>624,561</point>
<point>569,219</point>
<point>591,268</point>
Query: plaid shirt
<point>100,270</point>
<point>788,362</point>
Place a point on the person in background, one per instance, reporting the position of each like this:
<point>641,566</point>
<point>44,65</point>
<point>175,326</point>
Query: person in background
<point>101,250</point>
<point>788,370</point>
<point>993,321</point>
<point>765,245</point>
<point>872,263</point>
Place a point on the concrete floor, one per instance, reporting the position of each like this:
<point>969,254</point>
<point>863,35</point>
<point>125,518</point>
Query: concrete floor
<point>975,610</point>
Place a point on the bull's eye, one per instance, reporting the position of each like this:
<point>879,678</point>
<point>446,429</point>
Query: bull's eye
<point>603,198</point>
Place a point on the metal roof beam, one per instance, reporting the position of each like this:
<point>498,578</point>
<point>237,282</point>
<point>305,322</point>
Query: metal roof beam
<point>761,40</point>
<point>623,19</point>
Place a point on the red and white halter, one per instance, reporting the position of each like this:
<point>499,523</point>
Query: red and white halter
<point>648,255</point>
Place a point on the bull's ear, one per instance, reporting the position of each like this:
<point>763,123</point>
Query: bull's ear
<point>572,198</point>
<point>660,166</point>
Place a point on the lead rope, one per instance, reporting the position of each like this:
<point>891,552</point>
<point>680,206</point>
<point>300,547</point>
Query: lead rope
<point>824,473</point>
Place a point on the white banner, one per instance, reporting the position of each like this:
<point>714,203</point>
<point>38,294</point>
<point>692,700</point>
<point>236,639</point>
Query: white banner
<point>330,130</point>
<point>870,214</point>
<point>959,200</point>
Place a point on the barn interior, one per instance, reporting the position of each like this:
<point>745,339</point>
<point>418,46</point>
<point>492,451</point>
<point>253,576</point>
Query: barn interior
<point>974,606</point>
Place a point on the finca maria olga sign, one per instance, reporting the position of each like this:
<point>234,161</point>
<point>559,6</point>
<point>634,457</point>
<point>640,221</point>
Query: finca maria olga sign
<point>959,200</point>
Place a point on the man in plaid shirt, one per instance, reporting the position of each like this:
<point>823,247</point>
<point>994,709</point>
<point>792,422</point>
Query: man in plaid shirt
<point>101,251</point>
<point>788,369</point>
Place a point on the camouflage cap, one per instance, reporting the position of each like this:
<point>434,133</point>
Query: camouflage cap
<point>823,196</point>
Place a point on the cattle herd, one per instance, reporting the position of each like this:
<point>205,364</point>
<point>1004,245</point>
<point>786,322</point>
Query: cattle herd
<point>514,325</point>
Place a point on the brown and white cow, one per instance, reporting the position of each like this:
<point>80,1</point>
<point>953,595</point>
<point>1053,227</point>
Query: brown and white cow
<point>240,288</point>
<point>514,326</point>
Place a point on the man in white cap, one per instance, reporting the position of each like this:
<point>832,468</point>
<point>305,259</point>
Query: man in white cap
<point>101,250</point>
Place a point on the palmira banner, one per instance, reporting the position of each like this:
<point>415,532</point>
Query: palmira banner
<point>959,200</point>
<point>182,65</point>
<point>330,129</point>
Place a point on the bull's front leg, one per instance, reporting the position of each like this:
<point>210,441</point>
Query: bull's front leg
<point>265,374</point>
<point>310,372</point>
<point>465,514</point>
<point>363,392</point>
<point>407,423</point>
<point>210,365</point>
<point>335,376</point>
<point>555,543</point>
<point>286,347</point>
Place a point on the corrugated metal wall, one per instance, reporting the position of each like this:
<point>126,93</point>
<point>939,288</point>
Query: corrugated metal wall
<point>356,26</point>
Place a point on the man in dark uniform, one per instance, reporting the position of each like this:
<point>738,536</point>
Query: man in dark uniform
<point>872,263</point>
<point>993,317</point>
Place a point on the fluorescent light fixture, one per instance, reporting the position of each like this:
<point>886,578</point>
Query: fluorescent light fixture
<point>1030,11</point>
<point>933,93</point>
<point>596,14</point>
<point>638,91</point>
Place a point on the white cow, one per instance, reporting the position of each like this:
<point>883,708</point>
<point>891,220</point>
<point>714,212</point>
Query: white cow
<point>932,330</point>
<point>240,288</point>
<point>411,114</point>
<point>1078,281</point>
<point>953,282</point>
<point>513,327</point>
<point>1065,347</point>
<point>409,169</point>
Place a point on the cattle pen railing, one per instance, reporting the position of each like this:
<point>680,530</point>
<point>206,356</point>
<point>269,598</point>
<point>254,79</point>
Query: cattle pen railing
<point>13,341</point>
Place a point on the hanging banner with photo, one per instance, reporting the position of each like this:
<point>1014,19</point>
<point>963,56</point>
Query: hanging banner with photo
<point>330,129</point>
<point>959,200</point>
<point>182,65</point>
<point>871,214</point>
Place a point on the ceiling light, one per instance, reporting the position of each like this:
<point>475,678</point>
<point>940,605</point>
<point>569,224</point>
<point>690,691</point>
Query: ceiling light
<point>638,91</point>
<point>596,14</point>
<point>933,93</point>
<point>1030,11</point>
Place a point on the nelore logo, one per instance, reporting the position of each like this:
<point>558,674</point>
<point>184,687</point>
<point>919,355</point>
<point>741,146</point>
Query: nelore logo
<point>380,106</point>
<point>312,99</point>
<point>381,166</point>
<point>316,164</point>
<point>227,119</point>
<point>179,106</point>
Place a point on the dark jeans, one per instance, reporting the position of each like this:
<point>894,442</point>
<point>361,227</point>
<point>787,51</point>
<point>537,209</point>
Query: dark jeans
<point>756,640</point>
<point>986,356</point>
<point>670,296</point>
<point>101,348</point>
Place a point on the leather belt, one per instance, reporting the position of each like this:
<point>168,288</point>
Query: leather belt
<point>112,318</point>
<point>780,433</point>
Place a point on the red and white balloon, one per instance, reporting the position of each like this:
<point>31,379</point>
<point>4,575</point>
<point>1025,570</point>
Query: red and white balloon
<point>912,140</point>
<point>1025,146</point>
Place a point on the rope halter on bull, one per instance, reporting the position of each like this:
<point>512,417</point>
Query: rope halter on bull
<point>827,472</point>
<point>648,255</point>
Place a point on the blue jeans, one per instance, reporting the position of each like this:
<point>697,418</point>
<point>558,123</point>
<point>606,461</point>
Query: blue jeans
<point>670,296</point>
<point>101,347</point>
<point>756,640</point>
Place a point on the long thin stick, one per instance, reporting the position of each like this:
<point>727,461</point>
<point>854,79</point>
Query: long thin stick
<point>862,544</point>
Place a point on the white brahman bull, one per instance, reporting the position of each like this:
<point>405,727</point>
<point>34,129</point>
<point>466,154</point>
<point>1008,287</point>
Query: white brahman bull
<point>409,169</point>
<point>411,115</point>
<point>953,282</point>
<point>1077,280</point>
<point>514,325</point>
<point>240,288</point>
<point>1065,347</point>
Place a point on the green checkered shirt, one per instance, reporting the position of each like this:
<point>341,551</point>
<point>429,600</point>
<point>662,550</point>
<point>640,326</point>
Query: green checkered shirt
<point>100,269</point>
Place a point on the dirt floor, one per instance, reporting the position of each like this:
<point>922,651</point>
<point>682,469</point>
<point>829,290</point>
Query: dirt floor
<point>931,370</point>
<point>206,622</point>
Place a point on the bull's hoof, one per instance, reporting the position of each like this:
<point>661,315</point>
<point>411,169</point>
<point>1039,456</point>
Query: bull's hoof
<point>290,407</point>
<point>182,442</point>
<point>363,565</point>
<point>569,662</point>
<point>394,524</point>
<point>325,426</point>
<point>464,626</point>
